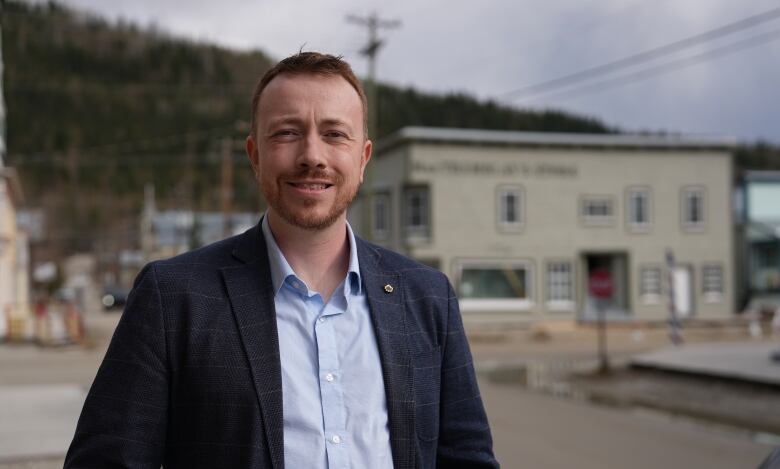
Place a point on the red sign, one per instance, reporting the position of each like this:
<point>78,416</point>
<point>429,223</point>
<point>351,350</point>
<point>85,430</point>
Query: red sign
<point>600,284</point>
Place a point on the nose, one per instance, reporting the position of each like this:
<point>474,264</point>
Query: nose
<point>311,154</point>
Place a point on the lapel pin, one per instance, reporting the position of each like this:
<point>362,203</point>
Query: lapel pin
<point>388,288</point>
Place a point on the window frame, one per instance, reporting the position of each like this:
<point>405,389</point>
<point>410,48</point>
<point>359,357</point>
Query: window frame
<point>651,297</point>
<point>498,304</point>
<point>386,196</point>
<point>560,304</point>
<point>713,296</point>
<point>687,225</point>
<point>597,220</point>
<point>518,192</point>
<point>422,231</point>
<point>635,226</point>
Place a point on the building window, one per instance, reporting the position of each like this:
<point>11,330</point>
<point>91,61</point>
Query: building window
<point>639,209</point>
<point>597,210</point>
<point>381,227</point>
<point>712,282</point>
<point>510,207</point>
<point>495,286</point>
<point>693,208</point>
<point>417,210</point>
<point>560,285</point>
<point>650,284</point>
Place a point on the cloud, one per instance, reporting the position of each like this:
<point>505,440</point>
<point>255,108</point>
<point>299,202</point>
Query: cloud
<point>490,47</point>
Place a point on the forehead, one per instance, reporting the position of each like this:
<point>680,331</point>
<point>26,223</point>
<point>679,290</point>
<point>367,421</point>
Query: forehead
<point>302,94</point>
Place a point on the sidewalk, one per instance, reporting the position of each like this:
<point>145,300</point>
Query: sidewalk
<point>748,362</point>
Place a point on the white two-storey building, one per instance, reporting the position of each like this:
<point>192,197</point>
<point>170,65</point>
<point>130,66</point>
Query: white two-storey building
<point>524,224</point>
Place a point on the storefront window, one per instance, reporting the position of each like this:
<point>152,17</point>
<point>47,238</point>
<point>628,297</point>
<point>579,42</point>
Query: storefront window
<point>494,283</point>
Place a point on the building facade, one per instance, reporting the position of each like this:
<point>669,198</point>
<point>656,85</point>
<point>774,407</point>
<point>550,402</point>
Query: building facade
<point>559,226</point>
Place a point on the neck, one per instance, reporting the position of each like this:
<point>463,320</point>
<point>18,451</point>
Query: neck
<point>318,257</point>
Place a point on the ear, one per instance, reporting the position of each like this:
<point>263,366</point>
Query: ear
<point>365,157</point>
<point>252,155</point>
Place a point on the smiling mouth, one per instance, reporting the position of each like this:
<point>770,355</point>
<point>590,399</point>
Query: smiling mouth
<point>310,186</point>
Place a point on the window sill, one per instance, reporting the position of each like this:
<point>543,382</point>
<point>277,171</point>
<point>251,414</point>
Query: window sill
<point>562,306</point>
<point>498,305</point>
<point>713,298</point>
<point>650,299</point>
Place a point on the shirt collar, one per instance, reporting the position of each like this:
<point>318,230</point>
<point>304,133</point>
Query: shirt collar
<point>280,268</point>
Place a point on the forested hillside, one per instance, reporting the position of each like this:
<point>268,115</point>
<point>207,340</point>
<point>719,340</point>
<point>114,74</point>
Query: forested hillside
<point>98,109</point>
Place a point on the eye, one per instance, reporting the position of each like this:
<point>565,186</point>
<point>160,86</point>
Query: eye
<point>285,134</point>
<point>335,134</point>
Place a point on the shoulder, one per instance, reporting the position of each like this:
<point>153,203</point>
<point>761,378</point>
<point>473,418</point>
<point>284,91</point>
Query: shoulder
<point>218,254</point>
<point>198,266</point>
<point>416,276</point>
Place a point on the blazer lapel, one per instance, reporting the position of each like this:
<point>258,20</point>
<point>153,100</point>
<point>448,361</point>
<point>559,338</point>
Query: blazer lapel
<point>252,300</point>
<point>388,318</point>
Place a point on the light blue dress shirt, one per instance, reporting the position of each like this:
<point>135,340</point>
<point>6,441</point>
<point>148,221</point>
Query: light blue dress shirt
<point>335,410</point>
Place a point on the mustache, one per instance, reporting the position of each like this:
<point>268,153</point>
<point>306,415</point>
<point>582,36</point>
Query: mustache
<point>306,173</point>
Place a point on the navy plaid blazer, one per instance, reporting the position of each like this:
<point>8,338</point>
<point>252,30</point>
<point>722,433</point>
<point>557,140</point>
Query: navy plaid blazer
<point>192,377</point>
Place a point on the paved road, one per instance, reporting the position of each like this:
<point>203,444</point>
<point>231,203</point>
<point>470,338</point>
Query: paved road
<point>42,392</point>
<point>530,430</point>
<point>544,432</point>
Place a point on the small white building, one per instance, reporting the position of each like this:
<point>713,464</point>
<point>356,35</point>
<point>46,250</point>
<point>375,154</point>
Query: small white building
<point>527,224</point>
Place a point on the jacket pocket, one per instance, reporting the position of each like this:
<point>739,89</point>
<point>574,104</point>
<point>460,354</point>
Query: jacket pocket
<point>427,390</point>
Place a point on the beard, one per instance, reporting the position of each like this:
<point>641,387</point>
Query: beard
<point>304,213</point>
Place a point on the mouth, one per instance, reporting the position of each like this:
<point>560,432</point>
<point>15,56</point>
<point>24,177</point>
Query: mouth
<point>310,186</point>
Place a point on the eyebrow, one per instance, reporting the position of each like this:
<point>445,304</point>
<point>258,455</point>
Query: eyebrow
<point>284,120</point>
<point>336,122</point>
<point>298,121</point>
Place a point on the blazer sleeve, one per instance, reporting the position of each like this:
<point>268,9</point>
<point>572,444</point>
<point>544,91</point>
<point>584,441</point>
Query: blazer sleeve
<point>464,435</point>
<point>123,422</point>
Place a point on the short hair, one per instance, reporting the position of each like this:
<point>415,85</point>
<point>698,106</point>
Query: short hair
<point>310,63</point>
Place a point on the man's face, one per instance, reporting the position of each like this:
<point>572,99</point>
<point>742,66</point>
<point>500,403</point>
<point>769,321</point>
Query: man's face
<point>309,150</point>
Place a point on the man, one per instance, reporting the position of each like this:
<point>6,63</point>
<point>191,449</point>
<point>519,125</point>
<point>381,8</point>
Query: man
<point>295,344</point>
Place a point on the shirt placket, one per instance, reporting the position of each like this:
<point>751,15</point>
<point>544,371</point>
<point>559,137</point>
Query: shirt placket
<point>331,391</point>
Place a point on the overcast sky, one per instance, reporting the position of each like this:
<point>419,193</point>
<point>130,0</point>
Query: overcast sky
<point>490,47</point>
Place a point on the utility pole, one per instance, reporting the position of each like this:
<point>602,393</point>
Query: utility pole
<point>370,50</point>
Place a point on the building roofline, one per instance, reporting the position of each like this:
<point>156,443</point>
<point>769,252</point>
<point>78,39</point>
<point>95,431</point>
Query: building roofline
<point>513,138</point>
<point>761,175</point>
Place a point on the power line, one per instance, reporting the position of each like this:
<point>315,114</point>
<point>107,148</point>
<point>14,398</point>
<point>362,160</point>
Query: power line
<point>641,57</point>
<point>671,66</point>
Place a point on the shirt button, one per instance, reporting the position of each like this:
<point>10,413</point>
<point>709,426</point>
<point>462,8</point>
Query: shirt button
<point>336,439</point>
<point>329,377</point>
<point>320,320</point>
